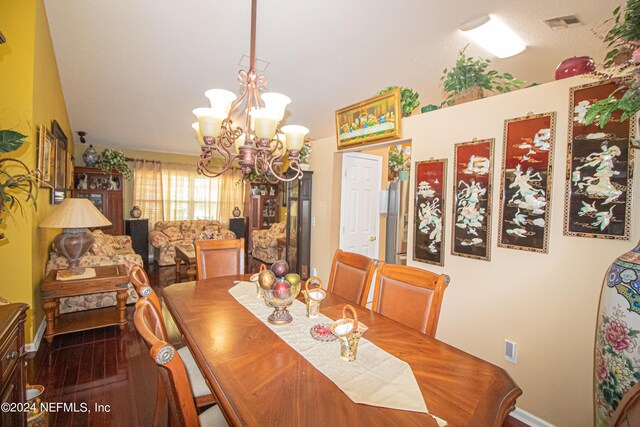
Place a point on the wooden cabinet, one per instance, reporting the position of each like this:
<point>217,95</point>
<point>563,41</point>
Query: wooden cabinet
<point>297,200</point>
<point>261,207</point>
<point>104,191</point>
<point>12,368</point>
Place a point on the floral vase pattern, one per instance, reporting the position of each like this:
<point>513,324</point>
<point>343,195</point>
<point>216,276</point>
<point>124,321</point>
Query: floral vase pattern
<point>617,354</point>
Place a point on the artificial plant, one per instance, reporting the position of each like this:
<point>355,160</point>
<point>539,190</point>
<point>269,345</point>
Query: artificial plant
<point>18,184</point>
<point>305,152</point>
<point>624,35</point>
<point>114,160</point>
<point>408,99</point>
<point>469,72</point>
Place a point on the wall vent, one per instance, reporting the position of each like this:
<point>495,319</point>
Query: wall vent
<point>564,22</point>
<point>261,64</point>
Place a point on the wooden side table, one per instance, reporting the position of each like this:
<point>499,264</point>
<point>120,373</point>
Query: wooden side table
<point>108,279</point>
<point>186,254</point>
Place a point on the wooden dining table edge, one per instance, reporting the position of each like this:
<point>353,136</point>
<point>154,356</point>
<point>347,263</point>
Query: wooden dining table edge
<point>505,406</point>
<point>221,399</point>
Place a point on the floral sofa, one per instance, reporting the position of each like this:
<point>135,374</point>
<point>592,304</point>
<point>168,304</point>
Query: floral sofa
<point>106,250</point>
<point>167,234</point>
<point>264,243</point>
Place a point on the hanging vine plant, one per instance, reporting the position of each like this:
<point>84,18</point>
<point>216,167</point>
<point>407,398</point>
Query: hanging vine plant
<point>114,160</point>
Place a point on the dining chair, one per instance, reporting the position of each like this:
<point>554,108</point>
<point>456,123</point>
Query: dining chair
<point>628,412</point>
<point>351,276</point>
<point>203,397</point>
<point>172,372</point>
<point>410,296</point>
<point>222,257</point>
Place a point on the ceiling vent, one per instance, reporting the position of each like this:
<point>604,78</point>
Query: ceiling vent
<point>261,64</point>
<point>564,22</point>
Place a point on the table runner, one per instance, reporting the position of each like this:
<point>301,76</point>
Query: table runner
<point>375,378</point>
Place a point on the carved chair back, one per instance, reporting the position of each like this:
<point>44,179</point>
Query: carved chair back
<point>216,258</point>
<point>409,295</point>
<point>351,276</point>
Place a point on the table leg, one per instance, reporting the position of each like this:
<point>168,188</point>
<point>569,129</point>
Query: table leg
<point>178,262</point>
<point>121,298</point>
<point>49,306</point>
<point>191,273</point>
<point>57,307</point>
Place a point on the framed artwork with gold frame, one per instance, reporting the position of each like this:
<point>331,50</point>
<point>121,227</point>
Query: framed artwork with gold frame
<point>429,214</point>
<point>373,120</point>
<point>599,176</point>
<point>46,157</point>
<point>525,185</point>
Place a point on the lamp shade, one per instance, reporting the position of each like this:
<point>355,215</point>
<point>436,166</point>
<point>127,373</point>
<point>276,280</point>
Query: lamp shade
<point>276,102</point>
<point>295,136</point>
<point>196,127</point>
<point>220,99</point>
<point>75,213</point>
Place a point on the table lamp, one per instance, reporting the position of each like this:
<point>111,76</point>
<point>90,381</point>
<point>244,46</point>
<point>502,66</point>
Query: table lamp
<point>74,216</point>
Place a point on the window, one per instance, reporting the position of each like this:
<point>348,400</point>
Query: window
<point>188,195</point>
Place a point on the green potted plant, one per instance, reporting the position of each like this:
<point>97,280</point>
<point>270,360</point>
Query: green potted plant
<point>469,78</point>
<point>624,36</point>
<point>18,184</point>
<point>114,160</point>
<point>305,153</point>
<point>626,28</point>
<point>408,99</point>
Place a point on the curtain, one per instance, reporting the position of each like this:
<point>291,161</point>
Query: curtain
<point>230,194</point>
<point>188,195</point>
<point>147,190</point>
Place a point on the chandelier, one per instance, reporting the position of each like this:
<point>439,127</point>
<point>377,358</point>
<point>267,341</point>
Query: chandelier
<point>246,128</point>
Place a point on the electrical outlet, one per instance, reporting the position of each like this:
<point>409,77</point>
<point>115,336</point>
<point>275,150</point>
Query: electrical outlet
<point>510,351</point>
<point>313,221</point>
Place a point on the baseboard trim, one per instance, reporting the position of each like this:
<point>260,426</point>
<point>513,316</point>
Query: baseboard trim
<point>529,419</point>
<point>31,347</point>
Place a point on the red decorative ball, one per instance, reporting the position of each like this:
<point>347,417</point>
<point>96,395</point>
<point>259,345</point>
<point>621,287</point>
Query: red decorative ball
<point>282,289</point>
<point>575,66</point>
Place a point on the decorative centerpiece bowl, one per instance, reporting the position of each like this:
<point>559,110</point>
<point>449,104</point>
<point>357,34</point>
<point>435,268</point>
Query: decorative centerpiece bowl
<point>280,298</point>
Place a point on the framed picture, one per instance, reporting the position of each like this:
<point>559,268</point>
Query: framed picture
<point>376,119</point>
<point>525,186</point>
<point>428,244</point>
<point>46,156</point>
<point>57,196</point>
<point>60,170</point>
<point>473,175</point>
<point>57,132</point>
<point>599,175</point>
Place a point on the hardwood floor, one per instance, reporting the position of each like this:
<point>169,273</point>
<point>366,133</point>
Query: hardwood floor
<point>105,367</point>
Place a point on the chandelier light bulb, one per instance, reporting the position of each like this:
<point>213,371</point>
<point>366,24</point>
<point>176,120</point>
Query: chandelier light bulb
<point>196,127</point>
<point>295,136</point>
<point>276,102</point>
<point>220,99</point>
<point>239,142</point>
<point>209,121</point>
<point>266,123</point>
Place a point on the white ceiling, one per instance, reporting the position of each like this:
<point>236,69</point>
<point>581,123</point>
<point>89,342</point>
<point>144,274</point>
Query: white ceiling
<point>132,71</point>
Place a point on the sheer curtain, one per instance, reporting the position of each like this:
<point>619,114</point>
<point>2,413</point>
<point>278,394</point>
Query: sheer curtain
<point>147,189</point>
<point>175,191</point>
<point>230,194</point>
<point>188,195</point>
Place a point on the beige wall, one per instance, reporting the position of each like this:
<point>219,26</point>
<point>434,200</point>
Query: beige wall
<point>546,303</point>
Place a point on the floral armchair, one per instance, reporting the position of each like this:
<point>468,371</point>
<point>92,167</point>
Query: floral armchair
<point>106,250</point>
<point>264,243</point>
<point>167,234</point>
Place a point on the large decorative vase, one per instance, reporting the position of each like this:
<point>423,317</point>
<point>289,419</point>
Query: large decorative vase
<point>617,351</point>
<point>90,157</point>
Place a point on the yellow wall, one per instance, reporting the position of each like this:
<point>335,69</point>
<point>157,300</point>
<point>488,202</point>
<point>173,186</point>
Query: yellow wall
<point>31,96</point>
<point>546,303</point>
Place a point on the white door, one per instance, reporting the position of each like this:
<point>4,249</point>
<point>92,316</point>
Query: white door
<point>360,204</point>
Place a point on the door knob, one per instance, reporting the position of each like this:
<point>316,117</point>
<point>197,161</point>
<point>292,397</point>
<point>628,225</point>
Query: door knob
<point>372,238</point>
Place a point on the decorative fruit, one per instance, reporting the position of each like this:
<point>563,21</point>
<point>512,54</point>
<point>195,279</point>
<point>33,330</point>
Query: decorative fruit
<point>292,278</point>
<point>282,289</point>
<point>266,279</point>
<point>280,268</point>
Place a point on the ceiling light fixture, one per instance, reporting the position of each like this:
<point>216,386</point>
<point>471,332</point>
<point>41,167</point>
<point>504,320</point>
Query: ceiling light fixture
<point>493,35</point>
<point>257,143</point>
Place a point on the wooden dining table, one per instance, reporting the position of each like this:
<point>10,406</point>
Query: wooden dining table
<point>258,380</point>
